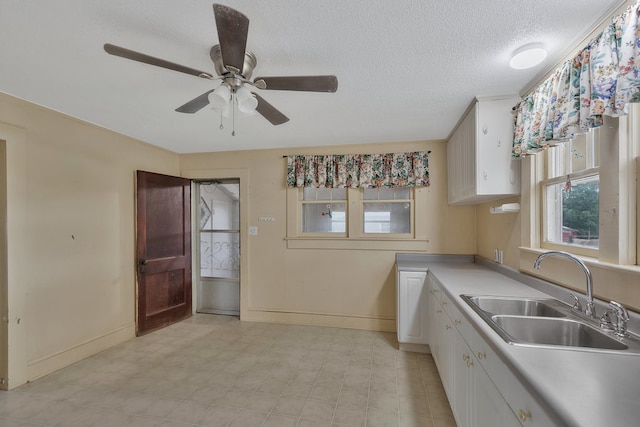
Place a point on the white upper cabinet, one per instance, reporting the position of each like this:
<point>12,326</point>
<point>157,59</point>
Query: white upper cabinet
<point>480,167</point>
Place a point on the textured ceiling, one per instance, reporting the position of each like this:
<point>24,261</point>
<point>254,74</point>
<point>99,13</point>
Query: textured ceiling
<point>407,70</point>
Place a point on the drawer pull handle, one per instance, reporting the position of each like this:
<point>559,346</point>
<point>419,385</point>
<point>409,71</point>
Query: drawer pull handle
<point>481,355</point>
<point>523,415</point>
<point>439,311</point>
<point>469,363</point>
<point>444,303</point>
<point>447,327</point>
<point>457,322</point>
<point>465,357</point>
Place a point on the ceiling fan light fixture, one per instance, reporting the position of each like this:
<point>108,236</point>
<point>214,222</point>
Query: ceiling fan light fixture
<point>528,56</point>
<point>247,103</point>
<point>220,97</point>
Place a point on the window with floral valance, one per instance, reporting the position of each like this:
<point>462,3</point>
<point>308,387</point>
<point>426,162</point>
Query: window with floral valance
<point>388,170</point>
<point>602,79</point>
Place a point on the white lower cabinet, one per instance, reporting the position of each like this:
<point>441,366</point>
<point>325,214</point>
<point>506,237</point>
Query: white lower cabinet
<point>461,355</point>
<point>412,307</point>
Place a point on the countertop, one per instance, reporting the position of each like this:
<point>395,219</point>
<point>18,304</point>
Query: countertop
<point>577,388</point>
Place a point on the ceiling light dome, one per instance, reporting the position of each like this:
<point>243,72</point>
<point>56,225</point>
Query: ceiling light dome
<point>528,56</point>
<point>220,97</point>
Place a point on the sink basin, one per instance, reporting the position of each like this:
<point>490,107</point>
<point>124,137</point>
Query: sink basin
<point>515,306</point>
<point>547,322</point>
<point>554,331</point>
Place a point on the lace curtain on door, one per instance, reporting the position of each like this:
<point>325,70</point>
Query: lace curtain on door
<point>602,79</point>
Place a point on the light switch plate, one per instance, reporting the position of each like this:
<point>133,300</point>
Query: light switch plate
<point>253,231</point>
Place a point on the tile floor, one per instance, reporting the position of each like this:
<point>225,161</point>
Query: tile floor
<point>217,371</point>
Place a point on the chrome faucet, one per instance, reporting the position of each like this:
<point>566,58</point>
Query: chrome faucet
<point>622,317</point>
<point>590,309</point>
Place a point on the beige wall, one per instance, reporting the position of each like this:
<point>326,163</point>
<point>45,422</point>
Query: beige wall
<point>70,236</point>
<point>503,231</point>
<point>499,231</point>
<point>68,269</point>
<point>349,288</point>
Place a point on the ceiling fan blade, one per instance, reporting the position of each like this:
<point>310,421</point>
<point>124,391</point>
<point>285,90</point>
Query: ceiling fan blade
<point>196,104</point>
<point>269,112</point>
<point>141,57</point>
<point>233,28</point>
<point>303,83</point>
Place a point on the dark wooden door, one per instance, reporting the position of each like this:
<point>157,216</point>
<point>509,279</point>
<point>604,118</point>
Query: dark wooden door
<point>164,250</point>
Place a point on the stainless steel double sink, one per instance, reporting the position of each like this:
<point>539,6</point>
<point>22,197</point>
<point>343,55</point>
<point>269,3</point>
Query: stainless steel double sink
<point>547,322</point>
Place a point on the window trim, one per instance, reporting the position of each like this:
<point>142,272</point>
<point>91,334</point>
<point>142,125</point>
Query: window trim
<point>618,239</point>
<point>355,237</point>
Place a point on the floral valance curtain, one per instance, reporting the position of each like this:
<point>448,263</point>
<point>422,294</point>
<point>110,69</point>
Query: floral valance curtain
<point>359,170</point>
<point>600,80</point>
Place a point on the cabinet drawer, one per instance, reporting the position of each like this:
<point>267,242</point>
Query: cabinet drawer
<point>457,318</point>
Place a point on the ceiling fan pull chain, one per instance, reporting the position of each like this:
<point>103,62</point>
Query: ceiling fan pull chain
<point>221,127</point>
<point>233,112</point>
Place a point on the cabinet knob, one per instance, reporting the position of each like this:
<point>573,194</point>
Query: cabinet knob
<point>469,363</point>
<point>439,311</point>
<point>444,303</point>
<point>524,415</point>
<point>457,322</point>
<point>465,357</point>
<point>481,355</point>
<point>447,327</point>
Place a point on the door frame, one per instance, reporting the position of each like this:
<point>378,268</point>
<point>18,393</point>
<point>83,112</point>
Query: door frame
<point>196,249</point>
<point>213,174</point>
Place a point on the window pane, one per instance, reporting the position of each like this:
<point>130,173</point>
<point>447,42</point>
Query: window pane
<point>312,193</point>
<point>556,161</point>
<point>400,193</point>
<point>324,193</point>
<point>579,156</point>
<point>403,193</point>
<point>324,218</point>
<point>338,194</point>
<point>394,218</point>
<point>309,193</point>
<point>370,194</point>
<point>386,194</point>
<point>572,212</point>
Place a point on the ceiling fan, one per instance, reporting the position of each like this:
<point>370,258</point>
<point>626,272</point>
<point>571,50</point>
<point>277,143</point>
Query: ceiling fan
<point>234,66</point>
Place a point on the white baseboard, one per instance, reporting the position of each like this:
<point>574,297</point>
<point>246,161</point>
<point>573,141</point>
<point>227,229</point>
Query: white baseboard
<point>415,348</point>
<point>316,319</point>
<point>51,363</point>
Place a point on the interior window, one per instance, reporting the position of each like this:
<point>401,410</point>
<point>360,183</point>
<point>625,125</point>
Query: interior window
<point>324,210</point>
<point>387,210</point>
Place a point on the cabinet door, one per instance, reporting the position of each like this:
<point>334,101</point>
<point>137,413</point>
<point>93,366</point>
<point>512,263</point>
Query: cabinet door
<point>524,406</point>
<point>436,329</point>
<point>461,159</point>
<point>462,380</point>
<point>412,308</point>
<point>497,172</point>
<point>447,355</point>
<point>488,406</point>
